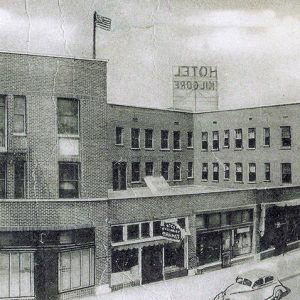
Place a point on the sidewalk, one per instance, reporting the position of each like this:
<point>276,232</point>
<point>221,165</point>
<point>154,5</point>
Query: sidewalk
<point>205,286</point>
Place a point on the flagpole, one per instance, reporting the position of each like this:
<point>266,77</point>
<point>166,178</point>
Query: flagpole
<point>94,36</point>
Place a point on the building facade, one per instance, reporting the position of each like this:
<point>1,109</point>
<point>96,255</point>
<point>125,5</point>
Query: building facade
<point>96,197</point>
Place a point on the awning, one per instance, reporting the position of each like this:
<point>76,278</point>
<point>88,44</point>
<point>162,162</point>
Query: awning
<point>265,206</point>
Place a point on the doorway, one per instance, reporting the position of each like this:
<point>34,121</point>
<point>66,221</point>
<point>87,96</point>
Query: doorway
<point>152,264</point>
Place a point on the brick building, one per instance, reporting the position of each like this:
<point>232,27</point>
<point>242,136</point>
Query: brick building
<point>83,207</point>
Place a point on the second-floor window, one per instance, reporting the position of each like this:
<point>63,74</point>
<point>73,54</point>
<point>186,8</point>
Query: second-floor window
<point>286,140</point>
<point>68,116</point>
<point>204,141</point>
<point>267,137</point>
<point>2,180</point>
<point>251,138</point>
<point>176,140</point>
<point>165,170</point>
<point>2,122</point>
<point>286,173</point>
<point>149,168</point>
<point>190,171</point>
<point>177,170</point>
<point>252,172</point>
<point>215,140</point>
<point>238,172</point>
<point>226,171</point>
<point>190,142</point>
<point>20,180</point>
<point>226,138</point>
<point>238,138</point>
<point>135,138</point>
<point>135,172</point>
<point>267,172</point>
<point>68,180</point>
<point>148,138</point>
<point>19,114</point>
<point>204,171</point>
<point>215,172</point>
<point>119,135</point>
<point>164,138</point>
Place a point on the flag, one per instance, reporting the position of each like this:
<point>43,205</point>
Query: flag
<point>102,22</point>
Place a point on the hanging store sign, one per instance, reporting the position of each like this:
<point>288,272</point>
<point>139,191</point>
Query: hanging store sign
<point>171,231</point>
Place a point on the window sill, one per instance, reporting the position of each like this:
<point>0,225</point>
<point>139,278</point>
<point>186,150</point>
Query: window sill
<point>240,182</point>
<point>119,145</point>
<point>177,150</point>
<point>191,147</point>
<point>204,150</point>
<point>225,147</point>
<point>164,149</point>
<point>252,182</point>
<point>226,179</point>
<point>19,134</point>
<point>251,148</point>
<point>266,146</point>
<point>135,148</point>
<point>177,180</point>
<point>204,180</point>
<point>70,136</point>
<point>266,180</point>
<point>135,182</point>
<point>285,148</point>
<point>238,149</point>
<point>214,150</point>
<point>215,181</point>
<point>149,149</point>
<point>189,178</point>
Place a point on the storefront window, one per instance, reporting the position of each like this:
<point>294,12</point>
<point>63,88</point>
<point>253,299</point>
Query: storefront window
<point>200,222</point>
<point>2,123</point>
<point>242,241</point>
<point>214,220</point>
<point>208,247</point>
<point>133,231</point>
<point>145,230</point>
<point>117,234</point>
<point>76,269</point>
<point>16,275</point>
<point>174,255</point>
<point>124,260</point>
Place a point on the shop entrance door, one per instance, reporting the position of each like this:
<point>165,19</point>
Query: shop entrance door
<point>152,264</point>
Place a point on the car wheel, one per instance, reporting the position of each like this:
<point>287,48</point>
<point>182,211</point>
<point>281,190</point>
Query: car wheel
<point>278,295</point>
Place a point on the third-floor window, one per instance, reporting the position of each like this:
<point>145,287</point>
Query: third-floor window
<point>2,122</point>
<point>19,114</point>
<point>68,116</point>
<point>215,140</point>
<point>226,138</point>
<point>135,138</point>
<point>149,138</point>
<point>238,138</point>
<point>176,140</point>
<point>204,141</point>
<point>251,138</point>
<point>267,137</point>
<point>286,140</point>
<point>164,139</point>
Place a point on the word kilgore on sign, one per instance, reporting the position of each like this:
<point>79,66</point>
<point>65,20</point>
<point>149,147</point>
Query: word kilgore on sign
<point>171,231</point>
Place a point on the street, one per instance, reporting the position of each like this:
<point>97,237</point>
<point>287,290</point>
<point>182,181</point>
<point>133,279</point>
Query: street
<point>294,287</point>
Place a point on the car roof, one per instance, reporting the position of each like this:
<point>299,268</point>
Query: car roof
<point>256,274</point>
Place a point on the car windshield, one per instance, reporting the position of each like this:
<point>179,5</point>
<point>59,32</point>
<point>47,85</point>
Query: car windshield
<point>243,281</point>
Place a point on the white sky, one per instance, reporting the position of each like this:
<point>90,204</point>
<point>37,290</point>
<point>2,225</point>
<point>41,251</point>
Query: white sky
<point>255,44</point>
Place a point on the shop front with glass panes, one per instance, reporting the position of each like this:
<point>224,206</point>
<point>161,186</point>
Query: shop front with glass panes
<point>141,254</point>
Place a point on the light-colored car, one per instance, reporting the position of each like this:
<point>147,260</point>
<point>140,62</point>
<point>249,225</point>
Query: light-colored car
<point>256,284</point>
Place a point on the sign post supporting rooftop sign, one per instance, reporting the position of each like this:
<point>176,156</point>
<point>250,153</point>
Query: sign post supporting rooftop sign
<point>195,88</point>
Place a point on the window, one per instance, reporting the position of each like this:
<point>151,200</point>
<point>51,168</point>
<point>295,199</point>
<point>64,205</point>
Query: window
<point>252,172</point>
<point>2,180</point>
<point>19,114</point>
<point>238,172</point>
<point>190,172</point>
<point>215,172</point>
<point>156,228</point>
<point>215,140</point>
<point>20,180</point>
<point>204,141</point>
<point>241,216</point>
<point>17,274</point>
<point>124,260</point>
<point>68,180</point>
<point>164,139</point>
<point>119,135</point>
<point>133,231</point>
<point>286,173</point>
<point>286,136</point>
<point>76,269</point>
<point>204,171</point>
<point>135,172</point>
<point>135,138</point>
<point>145,230</point>
<point>258,282</point>
<point>2,122</point>
<point>176,140</point>
<point>190,142</point>
<point>226,138</point>
<point>165,170</point>
<point>68,116</point>
<point>177,170</point>
<point>226,171</point>
<point>251,138</point>
<point>117,234</point>
<point>148,138</point>
<point>267,172</point>
<point>269,279</point>
<point>267,137</point>
<point>149,168</point>
<point>238,139</point>
<point>119,175</point>
<point>213,220</point>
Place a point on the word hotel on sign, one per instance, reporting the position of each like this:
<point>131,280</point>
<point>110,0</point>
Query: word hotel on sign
<point>194,71</point>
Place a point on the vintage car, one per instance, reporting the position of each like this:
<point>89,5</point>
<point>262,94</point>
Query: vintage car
<point>255,285</point>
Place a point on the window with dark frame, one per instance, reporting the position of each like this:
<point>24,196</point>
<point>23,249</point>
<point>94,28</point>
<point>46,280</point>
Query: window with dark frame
<point>226,171</point>
<point>156,228</point>
<point>226,138</point>
<point>190,172</point>
<point>238,138</point>
<point>68,116</point>
<point>252,172</point>
<point>251,138</point>
<point>2,180</point>
<point>119,135</point>
<point>238,172</point>
<point>135,138</point>
<point>145,230</point>
<point>3,128</point>
<point>215,172</point>
<point>164,139</point>
<point>119,175</point>
<point>68,180</point>
<point>286,173</point>
<point>176,140</point>
<point>204,141</point>
<point>215,140</point>
<point>135,172</point>
<point>133,231</point>
<point>267,137</point>
<point>177,170</point>
<point>19,114</point>
<point>205,171</point>
<point>20,180</point>
<point>190,142</point>
<point>165,170</point>
<point>148,138</point>
<point>286,140</point>
<point>267,172</point>
<point>117,234</point>
<point>149,168</point>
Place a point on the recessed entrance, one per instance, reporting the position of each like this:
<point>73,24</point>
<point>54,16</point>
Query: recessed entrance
<point>152,264</point>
